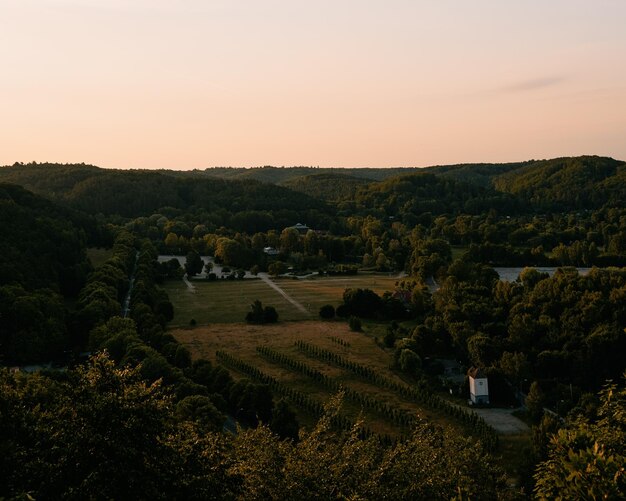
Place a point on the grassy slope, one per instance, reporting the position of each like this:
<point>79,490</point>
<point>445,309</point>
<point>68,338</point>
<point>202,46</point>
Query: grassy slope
<point>242,340</point>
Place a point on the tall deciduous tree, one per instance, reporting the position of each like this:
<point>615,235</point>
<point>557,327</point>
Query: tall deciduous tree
<point>193,264</point>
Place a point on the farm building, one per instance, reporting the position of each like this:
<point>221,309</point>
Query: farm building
<point>479,387</point>
<point>302,228</point>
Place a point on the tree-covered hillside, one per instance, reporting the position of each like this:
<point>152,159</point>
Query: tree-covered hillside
<point>480,174</point>
<point>133,193</point>
<point>281,175</point>
<point>327,186</point>
<point>42,265</point>
<point>568,183</point>
<point>408,197</point>
<point>40,246</point>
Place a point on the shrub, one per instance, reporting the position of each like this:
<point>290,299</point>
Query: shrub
<point>389,339</point>
<point>355,324</point>
<point>270,315</point>
<point>260,315</point>
<point>327,311</point>
<point>182,357</point>
<point>410,362</point>
<point>362,302</point>
<point>277,268</point>
<point>342,311</point>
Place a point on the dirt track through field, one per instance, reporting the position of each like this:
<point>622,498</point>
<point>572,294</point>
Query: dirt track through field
<point>272,284</point>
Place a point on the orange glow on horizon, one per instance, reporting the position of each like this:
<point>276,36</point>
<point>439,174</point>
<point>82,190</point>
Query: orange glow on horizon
<point>161,84</point>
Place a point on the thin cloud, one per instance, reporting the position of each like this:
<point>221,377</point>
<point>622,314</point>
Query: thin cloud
<point>530,85</point>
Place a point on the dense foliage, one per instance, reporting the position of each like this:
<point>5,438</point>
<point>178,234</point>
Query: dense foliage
<point>134,193</point>
<point>43,266</point>
<point>41,246</point>
<point>586,459</point>
<point>568,183</point>
<point>143,419</point>
<point>102,432</point>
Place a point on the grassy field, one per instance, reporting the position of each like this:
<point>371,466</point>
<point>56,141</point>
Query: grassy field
<point>242,340</point>
<point>219,309</point>
<point>225,301</point>
<point>98,256</point>
<point>316,292</point>
<point>458,251</point>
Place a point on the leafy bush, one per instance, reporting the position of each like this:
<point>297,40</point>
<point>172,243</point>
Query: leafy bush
<point>260,315</point>
<point>327,311</point>
<point>270,315</point>
<point>355,324</point>
<point>362,302</point>
<point>342,311</point>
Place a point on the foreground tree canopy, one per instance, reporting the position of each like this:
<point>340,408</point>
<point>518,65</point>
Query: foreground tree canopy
<point>587,458</point>
<point>103,432</point>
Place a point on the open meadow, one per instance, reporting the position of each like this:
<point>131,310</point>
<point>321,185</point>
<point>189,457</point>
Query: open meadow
<point>98,256</point>
<point>243,340</point>
<point>307,361</point>
<point>226,301</point>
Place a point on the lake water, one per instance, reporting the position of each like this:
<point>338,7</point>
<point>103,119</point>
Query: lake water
<point>511,274</point>
<point>217,268</point>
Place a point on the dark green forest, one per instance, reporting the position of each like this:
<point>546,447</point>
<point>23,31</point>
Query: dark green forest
<point>131,415</point>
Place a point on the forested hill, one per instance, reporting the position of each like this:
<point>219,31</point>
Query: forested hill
<point>408,198</point>
<point>573,183</point>
<point>282,175</point>
<point>40,245</point>
<point>479,174</point>
<point>327,186</point>
<point>133,193</point>
<point>560,184</point>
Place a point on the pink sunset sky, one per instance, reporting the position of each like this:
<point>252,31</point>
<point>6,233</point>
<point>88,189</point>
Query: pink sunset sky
<point>198,83</point>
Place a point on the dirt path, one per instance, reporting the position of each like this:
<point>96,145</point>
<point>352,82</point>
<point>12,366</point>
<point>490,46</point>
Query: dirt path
<point>272,284</point>
<point>190,286</point>
<point>503,421</point>
<point>126,305</point>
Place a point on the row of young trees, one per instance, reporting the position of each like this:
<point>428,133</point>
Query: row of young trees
<point>202,393</point>
<point>296,397</point>
<point>399,417</point>
<point>477,426</point>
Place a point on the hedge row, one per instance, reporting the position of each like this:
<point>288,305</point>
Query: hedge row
<point>473,421</point>
<point>339,341</point>
<point>294,396</point>
<point>399,417</point>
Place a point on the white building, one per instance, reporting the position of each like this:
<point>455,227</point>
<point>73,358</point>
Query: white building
<point>479,387</point>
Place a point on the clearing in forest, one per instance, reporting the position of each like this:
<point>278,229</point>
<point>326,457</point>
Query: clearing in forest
<point>225,301</point>
<point>242,341</point>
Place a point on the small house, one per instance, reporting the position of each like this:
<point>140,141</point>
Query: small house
<point>479,387</point>
<point>270,251</point>
<point>301,228</point>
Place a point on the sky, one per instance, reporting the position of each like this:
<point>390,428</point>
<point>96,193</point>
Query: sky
<point>188,84</point>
